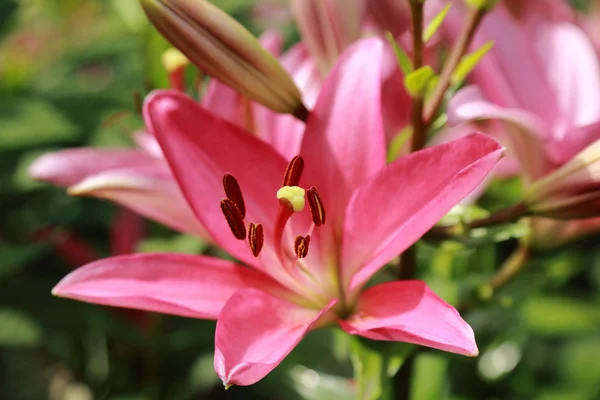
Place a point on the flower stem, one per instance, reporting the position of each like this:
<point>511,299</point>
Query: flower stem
<point>408,257</point>
<point>456,54</point>
<point>419,127</point>
<point>503,216</point>
<point>511,267</point>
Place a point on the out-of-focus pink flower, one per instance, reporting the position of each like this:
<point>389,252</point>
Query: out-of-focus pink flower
<point>328,27</point>
<point>548,102</point>
<point>308,268</point>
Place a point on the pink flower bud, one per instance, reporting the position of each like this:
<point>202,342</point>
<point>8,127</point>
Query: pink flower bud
<point>572,191</point>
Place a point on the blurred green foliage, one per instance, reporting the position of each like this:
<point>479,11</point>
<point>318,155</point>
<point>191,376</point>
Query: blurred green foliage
<point>69,70</point>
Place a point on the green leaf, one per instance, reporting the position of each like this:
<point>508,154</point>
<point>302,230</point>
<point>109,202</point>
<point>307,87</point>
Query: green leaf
<point>403,59</point>
<point>429,377</point>
<point>469,62</point>
<point>31,123</point>
<point>559,316</point>
<point>398,143</point>
<point>375,364</point>
<point>418,82</point>
<point>482,4</point>
<point>179,244</point>
<point>578,362</point>
<point>435,23</point>
<point>16,257</point>
<point>18,329</point>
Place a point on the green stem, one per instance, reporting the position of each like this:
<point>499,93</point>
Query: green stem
<point>456,54</point>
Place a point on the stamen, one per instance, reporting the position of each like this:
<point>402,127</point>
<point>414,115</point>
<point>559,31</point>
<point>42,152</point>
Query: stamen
<point>234,193</point>
<point>234,218</point>
<point>301,246</point>
<point>317,211</point>
<point>256,238</point>
<point>293,172</point>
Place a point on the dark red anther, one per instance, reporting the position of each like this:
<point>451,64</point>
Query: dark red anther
<point>234,193</point>
<point>256,238</point>
<point>301,246</point>
<point>317,211</point>
<point>293,172</point>
<point>234,218</point>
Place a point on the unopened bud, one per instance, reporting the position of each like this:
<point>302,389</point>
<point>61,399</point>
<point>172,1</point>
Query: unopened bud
<point>220,46</point>
<point>572,191</point>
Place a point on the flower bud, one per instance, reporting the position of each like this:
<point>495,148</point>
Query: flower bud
<point>572,191</point>
<point>221,47</point>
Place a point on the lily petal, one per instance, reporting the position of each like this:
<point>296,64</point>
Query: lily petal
<point>149,191</point>
<point>524,87</point>
<point>201,148</point>
<point>408,311</point>
<point>68,167</point>
<point>344,142</point>
<point>576,78</point>
<point>393,210</point>
<point>524,132</point>
<point>283,131</point>
<point>178,284</point>
<point>255,331</point>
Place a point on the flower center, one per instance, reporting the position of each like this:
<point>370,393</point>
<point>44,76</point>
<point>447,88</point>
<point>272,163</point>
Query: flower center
<point>292,199</point>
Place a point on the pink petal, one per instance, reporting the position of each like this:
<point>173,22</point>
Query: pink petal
<point>393,210</point>
<point>408,311</point>
<point>344,143</point>
<point>576,139</point>
<point>524,132</point>
<point>149,191</point>
<point>255,331</point>
<point>576,78</point>
<point>186,285</point>
<point>328,27</point>
<point>283,131</point>
<point>126,232</point>
<point>505,82</point>
<point>201,148</point>
<point>148,143</point>
<point>225,102</point>
<point>68,167</point>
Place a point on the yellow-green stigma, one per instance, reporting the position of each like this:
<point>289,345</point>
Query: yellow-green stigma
<point>292,197</point>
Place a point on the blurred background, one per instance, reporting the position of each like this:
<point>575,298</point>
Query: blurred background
<point>70,74</point>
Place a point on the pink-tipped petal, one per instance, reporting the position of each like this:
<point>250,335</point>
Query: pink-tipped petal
<point>149,191</point>
<point>408,311</point>
<point>255,332</point>
<point>201,148</point>
<point>344,142</point>
<point>68,167</point>
<point>393,210</point>
<point>186,285</point>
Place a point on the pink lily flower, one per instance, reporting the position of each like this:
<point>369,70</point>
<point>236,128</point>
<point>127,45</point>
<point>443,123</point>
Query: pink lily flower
<point>140,179</point>
<point>549,105</point>
<point>307,266</point>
